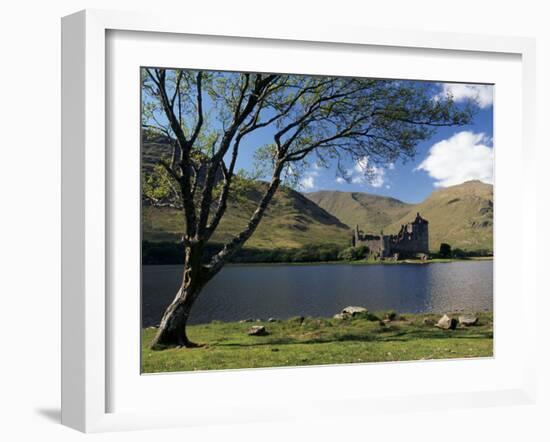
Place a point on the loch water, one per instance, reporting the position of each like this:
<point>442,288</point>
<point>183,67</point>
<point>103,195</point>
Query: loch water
<point>321,290</point>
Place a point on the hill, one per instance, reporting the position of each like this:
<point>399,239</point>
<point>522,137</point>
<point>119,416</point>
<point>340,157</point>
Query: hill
<point>460,215</point>
<point>291,221</point>
<point>371,213</point>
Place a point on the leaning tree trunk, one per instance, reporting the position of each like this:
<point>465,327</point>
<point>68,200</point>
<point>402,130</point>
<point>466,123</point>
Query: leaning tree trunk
<point>172,329</point>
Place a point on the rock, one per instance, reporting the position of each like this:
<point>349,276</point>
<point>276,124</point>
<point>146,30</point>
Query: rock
<point>257,330</point>
<point>272,320</point>
<point>446,323</point>
<point>339,316</point>
<point>391,315</point>
<point>246,320</point>
<point>258,320</point>
<point>467,320</point>
<point>353,310</point>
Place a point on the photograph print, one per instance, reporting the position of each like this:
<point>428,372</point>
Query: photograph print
<point>299,220</point>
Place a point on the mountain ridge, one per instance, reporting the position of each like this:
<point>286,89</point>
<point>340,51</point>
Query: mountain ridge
<point>468,224</point>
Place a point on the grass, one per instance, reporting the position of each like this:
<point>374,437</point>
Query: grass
<point>318,341</point>
<point>291,221</point>
<point>460,215</point>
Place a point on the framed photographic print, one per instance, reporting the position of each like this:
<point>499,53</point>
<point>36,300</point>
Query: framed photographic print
<point>268,210</point>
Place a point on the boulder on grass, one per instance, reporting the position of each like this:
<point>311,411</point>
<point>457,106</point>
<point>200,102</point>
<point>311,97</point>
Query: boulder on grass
<point>467,320</point>
<point>257,330</point>
<point>447,323</point>
<point>353,310</point>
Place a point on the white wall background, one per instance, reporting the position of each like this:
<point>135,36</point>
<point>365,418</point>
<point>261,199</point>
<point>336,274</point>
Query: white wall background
<point>30,214</point>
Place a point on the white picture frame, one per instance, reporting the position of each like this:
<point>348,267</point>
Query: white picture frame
<point>86,210</point>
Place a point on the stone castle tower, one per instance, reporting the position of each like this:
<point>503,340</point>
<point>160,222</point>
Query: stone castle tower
<point>411,241</point>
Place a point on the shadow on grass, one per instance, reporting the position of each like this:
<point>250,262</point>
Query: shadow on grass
<point>375,336</point>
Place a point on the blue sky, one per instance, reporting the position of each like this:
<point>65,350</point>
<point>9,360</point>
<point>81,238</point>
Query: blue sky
<point>451,156</point>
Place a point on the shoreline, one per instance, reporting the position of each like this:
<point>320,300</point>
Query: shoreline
<point>380,313</point>
<point>358,262</point>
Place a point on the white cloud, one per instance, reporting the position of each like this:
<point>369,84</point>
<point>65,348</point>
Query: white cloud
<point>361,166</point>
<point>483,94</point>
<point>365,173</point>
<point>464,156</point>
<point>307,182</point>
<point>340,180</point>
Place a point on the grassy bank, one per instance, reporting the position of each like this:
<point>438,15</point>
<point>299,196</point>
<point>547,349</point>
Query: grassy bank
<point>316,341</point>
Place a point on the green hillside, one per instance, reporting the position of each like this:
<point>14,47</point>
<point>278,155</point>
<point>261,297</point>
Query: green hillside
<point>460,215</point>
<point>291,221</point>
<point>371,213</point>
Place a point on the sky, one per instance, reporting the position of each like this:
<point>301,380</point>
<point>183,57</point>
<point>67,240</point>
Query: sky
<point>451,156</point>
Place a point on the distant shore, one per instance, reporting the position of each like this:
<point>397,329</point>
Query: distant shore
<point>366,262</point>
<point>361,262</point>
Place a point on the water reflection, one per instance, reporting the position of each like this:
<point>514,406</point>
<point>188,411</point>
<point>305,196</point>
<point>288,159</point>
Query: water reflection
<point>262,291</point>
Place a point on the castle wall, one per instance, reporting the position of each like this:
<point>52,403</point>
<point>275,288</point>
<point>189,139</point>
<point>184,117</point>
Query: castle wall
<point>377,244</point>
<point>412,239</point>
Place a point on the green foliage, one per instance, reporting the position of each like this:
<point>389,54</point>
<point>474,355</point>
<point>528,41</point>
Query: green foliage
<point>459,253</point>
<point>158,186</point>
<point>445,250</point>
<point>172,253</point>
<point>354,253</point>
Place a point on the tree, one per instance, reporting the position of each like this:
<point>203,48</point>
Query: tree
<point>445,250</point>
<point>207,116</point>
<point>354,253</point>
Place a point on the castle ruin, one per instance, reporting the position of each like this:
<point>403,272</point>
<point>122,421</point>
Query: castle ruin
<point>411,241</point>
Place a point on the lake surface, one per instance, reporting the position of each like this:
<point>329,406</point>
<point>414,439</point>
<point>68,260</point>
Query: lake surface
<point>282,291</point>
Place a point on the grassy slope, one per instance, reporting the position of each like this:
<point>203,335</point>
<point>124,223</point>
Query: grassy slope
<point>371,212</point>
<point>319,341</point>
<point>290,221</point>
<point>460,215</point>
